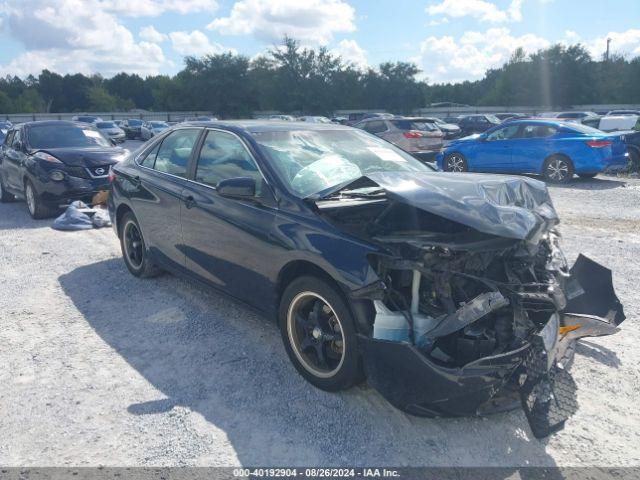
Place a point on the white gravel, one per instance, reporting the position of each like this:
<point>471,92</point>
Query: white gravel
<point>100,368</point>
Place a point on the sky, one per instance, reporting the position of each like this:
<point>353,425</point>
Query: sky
<point>449,40</point>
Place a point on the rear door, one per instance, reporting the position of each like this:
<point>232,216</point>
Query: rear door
<point>228,241</point>
<point>157,199</point>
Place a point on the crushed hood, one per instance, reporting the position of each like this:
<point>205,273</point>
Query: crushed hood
<point>501,205</point>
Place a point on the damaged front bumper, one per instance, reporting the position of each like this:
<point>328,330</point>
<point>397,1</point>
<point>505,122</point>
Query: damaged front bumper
<point>534,376</point>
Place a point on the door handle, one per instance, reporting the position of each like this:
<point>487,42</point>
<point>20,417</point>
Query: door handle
<point>189,201</point>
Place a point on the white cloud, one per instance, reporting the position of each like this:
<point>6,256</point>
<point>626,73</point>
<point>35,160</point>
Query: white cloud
<point>310,21</point>
<point>351,52</point>
<point>625,43</point>
<point>154,8</point>
<point>481,9</point>
<point>75,36</point>
<point>446,59</point>
<point>150,34</point>
<point>194,43</point>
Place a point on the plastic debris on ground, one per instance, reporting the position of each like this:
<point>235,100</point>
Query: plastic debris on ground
<point>80,216</point>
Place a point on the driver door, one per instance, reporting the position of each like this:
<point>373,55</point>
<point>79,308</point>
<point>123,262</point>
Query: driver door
<point>228,241</point>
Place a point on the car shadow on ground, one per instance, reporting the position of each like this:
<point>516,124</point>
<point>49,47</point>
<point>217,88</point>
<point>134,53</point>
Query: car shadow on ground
<point>598,353</point>
<point>205,352</point>
<point>15,215</point>
<point>597,183</point>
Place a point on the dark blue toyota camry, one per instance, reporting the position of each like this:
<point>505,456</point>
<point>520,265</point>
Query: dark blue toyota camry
<point>447,292</point>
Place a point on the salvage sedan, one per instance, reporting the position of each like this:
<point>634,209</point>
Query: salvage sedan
<point>52,163</point>
<point>448,292</point>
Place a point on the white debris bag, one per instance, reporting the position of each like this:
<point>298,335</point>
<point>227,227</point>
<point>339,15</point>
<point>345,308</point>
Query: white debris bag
<point>79,216</point>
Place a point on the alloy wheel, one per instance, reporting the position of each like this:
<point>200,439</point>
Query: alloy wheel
<point>31,199</point>
<point>133,245</point>
<point>316,334</point>
<point>455,163</point>
<point>557,169</point>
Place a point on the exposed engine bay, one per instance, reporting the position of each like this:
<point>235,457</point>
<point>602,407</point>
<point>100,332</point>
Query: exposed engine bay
<point>476,308</point>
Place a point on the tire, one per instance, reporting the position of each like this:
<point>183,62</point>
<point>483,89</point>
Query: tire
<point>455,162</point>
<point>37,209</point>
<point>587,175</point>
<point>318,333</point>
<point>5,197</point>
<point>135,256</point>
<point>558,169</point>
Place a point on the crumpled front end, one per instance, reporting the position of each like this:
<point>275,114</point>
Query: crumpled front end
<point>469,322</point>
<point>475,332</point>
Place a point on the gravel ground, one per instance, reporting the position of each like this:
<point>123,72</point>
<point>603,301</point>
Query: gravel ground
<point>101,368</point>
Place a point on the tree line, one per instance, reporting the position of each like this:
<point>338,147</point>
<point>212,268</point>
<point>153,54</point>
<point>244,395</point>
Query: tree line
<point>293,78</point>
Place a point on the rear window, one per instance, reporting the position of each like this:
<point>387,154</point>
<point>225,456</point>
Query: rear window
<point>65,136</point>
<point>584,129</point>
<point>413,125</point>
<point>105,125</point>
<point>135,122</point>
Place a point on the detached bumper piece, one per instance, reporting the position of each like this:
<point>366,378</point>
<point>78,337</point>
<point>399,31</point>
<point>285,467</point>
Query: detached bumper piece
<point>548,395</point>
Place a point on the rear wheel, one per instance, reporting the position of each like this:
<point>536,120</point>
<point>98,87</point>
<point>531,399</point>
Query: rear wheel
<point>35,205</point>
<point>558,169</point>
<point>455,162</point>
<point>134,249</point>
<point>319,334</point>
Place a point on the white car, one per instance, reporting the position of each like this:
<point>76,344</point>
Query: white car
<point>152,128</point>
<point>613,123</point>
<point>111,130</point>
<point>315,119</point>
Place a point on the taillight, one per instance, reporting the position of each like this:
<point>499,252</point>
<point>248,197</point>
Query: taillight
<point>412,134</point>
<point>112,176</point>
<point>599,143</point>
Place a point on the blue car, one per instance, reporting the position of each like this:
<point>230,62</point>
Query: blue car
<point>556,150</point>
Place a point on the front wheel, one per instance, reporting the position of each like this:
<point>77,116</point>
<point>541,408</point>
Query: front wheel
<point>35,205</point>
<point>558,169</point>
<point>455,162</point>
<point>319,334</point>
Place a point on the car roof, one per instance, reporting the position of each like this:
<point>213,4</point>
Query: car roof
<point>52,123</point>
<point>255,126</point>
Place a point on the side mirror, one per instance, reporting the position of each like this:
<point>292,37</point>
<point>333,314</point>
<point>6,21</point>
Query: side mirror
<point>18,146</point>
<point>238,187</point>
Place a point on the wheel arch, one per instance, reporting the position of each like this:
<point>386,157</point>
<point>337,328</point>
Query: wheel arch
<point>556,154</point>
<point>122,209</point>
<point>361,310</point>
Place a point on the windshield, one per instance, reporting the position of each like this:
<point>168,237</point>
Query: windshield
<point>158,124</point>
<point>309,161</point>
<point>105,125</point>
<point>134,122</point>
<point>65,136</point>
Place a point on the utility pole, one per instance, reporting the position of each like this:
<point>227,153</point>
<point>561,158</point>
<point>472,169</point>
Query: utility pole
<point>606,55</point>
